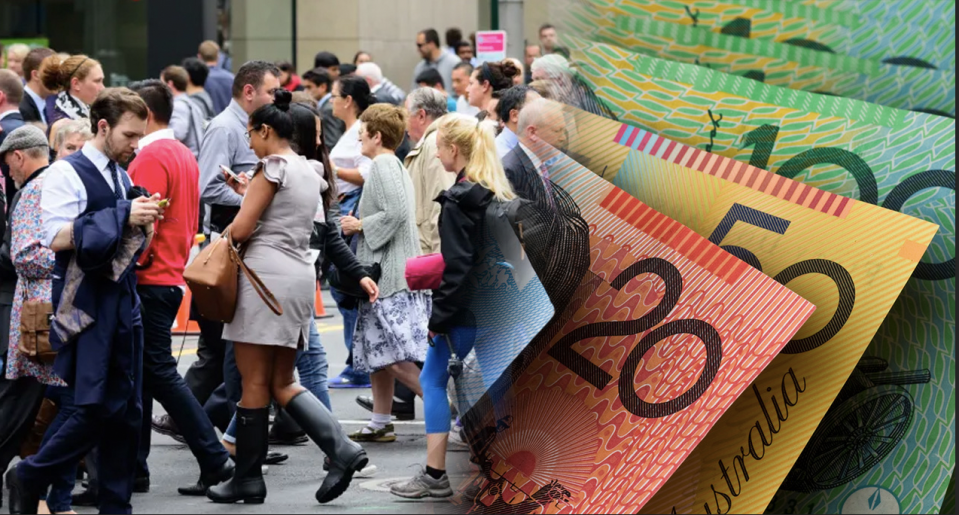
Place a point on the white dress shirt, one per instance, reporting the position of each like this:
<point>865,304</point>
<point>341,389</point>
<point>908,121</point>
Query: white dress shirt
<point>348,153</point>
<point>64,197</point>
<point>463,106</point>
<point>154,137</point>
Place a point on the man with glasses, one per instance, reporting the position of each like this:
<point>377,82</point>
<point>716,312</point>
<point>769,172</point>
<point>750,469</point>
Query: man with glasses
<point>428,43</point>
<point>225,143</point>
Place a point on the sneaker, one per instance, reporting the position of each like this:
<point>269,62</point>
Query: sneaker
<point>385,435</point>
<point>345,381</point>
<point>456,443</point>
<point>423,485</point>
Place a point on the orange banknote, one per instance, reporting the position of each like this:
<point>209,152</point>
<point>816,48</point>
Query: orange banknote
<point>664,332</point>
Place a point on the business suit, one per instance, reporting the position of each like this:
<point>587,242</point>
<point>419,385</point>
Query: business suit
<point>29,110</point>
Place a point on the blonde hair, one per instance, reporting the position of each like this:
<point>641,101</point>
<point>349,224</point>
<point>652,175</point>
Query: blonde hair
<point>18,50</point>
<point>64,128</point>
<point>476,140</point>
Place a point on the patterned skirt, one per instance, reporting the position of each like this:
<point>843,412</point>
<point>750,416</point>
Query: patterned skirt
<point>392,330</point>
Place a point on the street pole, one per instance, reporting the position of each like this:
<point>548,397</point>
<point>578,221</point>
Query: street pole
<point>511,20</point>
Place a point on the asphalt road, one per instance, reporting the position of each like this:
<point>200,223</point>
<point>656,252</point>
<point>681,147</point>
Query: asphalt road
<point>292,485</point>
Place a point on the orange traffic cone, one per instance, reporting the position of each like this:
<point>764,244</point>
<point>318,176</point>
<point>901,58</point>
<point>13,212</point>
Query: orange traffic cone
<point>320,309</point>
<point>183,325</point>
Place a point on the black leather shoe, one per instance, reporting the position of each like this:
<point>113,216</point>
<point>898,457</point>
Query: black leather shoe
<point>401,410</point>
<point>288,440</point>
<point>22,498</point>
<point>275,458</point>
<point>165,426</point>
<point>141,485</point>
<point>225,473</point>
<point>85,499</point>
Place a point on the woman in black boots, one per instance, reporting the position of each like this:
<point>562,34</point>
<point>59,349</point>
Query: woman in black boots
<point>274,227</point>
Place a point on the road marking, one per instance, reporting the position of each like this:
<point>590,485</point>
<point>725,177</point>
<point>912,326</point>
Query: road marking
<point>320,329</point>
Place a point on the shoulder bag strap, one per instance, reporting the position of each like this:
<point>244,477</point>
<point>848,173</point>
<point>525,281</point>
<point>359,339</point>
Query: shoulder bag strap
<point>254,279</point>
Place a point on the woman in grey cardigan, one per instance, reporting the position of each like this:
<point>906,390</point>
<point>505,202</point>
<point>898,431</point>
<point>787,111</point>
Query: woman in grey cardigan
<point>391,334</point>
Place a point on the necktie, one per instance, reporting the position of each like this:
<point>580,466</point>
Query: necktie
<point>115,175</point>
<point>544,173</point>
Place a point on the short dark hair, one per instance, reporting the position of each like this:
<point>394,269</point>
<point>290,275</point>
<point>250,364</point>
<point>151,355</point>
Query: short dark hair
<point>545,26</point>
<point>276,115</point>
<point>285,66</point>
<point>319,76</point>
<point>358,54</point>
<point>325,60</point>
<point>253,73</point>
<point>512,98</point>
<point>462,44</point>
<point>31,62</point>
<point>431,36</point>
<point>465,65</point>
<point>197,70</point>
<point>158,98</point>
<point>453,37</point>
<point>12,87</point>
<point>177,75</point>
<point>112,103</point>
<point>347,69</point>
<point>430,77</point>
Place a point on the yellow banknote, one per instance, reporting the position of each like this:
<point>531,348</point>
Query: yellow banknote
<point>851,259</point>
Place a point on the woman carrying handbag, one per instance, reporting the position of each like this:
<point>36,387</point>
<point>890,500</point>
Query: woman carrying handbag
<point>274,227</point>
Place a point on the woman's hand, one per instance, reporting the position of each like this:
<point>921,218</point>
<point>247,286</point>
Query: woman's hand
<point>239,186</point>
<point>351,225</point>
<point>371,289</point>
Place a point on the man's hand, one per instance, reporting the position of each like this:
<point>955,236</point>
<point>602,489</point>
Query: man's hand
<point>351,225</point>
<point>144,212</point>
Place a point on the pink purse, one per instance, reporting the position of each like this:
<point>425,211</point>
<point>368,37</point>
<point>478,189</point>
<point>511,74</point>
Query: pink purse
<point>425,272</point>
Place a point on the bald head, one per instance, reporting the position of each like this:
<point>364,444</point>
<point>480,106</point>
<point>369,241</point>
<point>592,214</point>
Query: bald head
<point>542,122</point>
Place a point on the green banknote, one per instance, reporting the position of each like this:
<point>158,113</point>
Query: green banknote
<point>925,42</point>
<point>794,67</point>
<point>901,160</point>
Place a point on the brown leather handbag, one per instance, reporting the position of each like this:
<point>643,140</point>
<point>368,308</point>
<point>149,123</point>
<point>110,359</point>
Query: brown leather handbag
<point>35,318</point>
<point>213,277</point>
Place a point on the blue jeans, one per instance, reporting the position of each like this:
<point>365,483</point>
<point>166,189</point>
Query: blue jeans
<point>61,490</point>
<point>312,368</point>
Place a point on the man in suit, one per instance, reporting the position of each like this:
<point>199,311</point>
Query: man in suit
<point>34,103</point>
<point>11,94</point>
<point>557,236</point>
<point>319,84</point>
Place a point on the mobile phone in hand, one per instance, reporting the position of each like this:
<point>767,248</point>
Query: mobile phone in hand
<point>229,172</point>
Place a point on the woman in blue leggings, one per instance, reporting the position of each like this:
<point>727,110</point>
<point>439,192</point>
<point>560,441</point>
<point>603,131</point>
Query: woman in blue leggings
<point>488,300</point>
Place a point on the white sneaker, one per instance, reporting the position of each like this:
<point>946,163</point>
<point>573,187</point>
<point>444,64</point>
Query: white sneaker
<point>368,471</point>
<point>456,443</point>
<point>265,469</point>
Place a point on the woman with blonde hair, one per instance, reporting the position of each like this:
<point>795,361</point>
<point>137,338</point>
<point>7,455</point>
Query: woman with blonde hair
<point>480,278</point>
<point>76,81</point>
<point>68,137</point>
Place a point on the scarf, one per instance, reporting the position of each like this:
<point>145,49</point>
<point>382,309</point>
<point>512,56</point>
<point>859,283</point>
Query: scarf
<point>73,108</point>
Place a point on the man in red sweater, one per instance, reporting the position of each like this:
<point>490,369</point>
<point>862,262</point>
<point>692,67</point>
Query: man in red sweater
<point>164,165</point>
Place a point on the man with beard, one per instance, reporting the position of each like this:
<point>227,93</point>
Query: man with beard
<point>97,235</point>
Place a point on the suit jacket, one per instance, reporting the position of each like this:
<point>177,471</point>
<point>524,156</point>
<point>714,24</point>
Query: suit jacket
<point>557,238</point>
<point>29,110</point>
<point>333,127</point>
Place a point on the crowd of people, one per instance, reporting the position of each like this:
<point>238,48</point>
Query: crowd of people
<point>334,173</point>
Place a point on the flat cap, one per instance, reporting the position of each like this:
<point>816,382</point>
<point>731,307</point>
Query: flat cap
<point>23,138</point>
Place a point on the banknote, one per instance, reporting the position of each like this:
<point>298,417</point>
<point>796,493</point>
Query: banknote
<point>927,42</point>
<point>665,331</point>
<point>802,237</point>
<point>899,160</point>
<point>778,64</point>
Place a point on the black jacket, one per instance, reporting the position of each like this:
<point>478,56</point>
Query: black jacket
<point>333,248</point>
<point>464,206</point>
<point>29,110</point>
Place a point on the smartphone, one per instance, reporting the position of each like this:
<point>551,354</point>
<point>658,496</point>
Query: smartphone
<point>230,173</point>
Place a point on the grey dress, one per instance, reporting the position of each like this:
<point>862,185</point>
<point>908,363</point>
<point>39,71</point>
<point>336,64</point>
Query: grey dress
<point>279,253</point>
